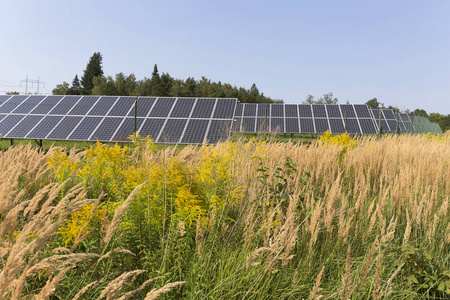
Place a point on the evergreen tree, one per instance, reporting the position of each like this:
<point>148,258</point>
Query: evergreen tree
<point>75,88</point>
<point>93,69</point>
<point>155,82</point>
<point>165,84</point>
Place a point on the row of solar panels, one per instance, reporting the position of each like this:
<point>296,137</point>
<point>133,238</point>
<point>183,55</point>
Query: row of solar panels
<point>109,119</point>
<point>317,118</point>
<point>180,120</point>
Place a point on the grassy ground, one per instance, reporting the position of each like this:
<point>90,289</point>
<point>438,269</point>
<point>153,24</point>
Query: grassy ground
<point>338,218</point>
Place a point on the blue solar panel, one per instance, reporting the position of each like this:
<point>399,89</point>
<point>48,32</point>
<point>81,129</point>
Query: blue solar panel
<point>388,114</point>
<point>103,105</point>
<point>195,131</point>
<point>367,126</point>
<point>352,126</point>
<point>362,111</point>
<point>64,128</point>
<point>27,105</point>
<point>262,124</point>
<point>25,125</point>
<point>4,98</point>
<point>44,127</point>
<point>250,110</point>
<point>183,108</point>
<point>66,104</point>
<point>337,126</point>
<point>239,109</point>
<point>146,104</point>
<point>203,108</point>
<point>8,123</point>
<point>277,110</point>
<point>152,128</point>
<point>46,105</point>
<point>219,130</point>
<point>333,111</point>
<point>319,111</point>
<point>83,106</point>
<point>172,131</point>
<point>12,103</point>
<point>162,107</point>
<point>248,124</point>
<point>106,129</point>
<point>85,128</point>
<point>305,111</point>
<point>291,111</point>
<point>224,109</point>
<point>263,110</point>
<point>277,124</point>
<point>307,126</point>
<point>348,111</point>
<point>321,125</point>
<point>292,125</point>
<point>122,107</point>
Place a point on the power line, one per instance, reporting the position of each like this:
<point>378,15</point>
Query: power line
<point>32,81</point>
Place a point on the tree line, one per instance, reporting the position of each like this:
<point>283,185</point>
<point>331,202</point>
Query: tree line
<point>94,82</point>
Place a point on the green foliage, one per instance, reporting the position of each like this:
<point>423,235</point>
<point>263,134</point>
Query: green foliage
<point>325,99</point>
<point>93,69</point>
<point>61,89</point>
<point>374,104</point>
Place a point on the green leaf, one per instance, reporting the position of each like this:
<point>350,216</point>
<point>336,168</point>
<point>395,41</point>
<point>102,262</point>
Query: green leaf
<point>442,286</point>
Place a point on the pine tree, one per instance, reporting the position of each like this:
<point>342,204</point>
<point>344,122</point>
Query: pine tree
<point>75,88</point>
<point>155,82</point>
<point>93,69</point>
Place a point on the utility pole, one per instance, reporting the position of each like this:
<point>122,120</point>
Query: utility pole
<point>32,81</point>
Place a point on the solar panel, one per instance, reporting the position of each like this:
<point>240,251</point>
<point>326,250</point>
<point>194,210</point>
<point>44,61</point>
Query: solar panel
<point>172,131</point>
<point>292,125</point>
<point>106,129</point>
<point>307,126</point>
<point>333,111</point>
<point>250,110</point>
<point>262,124</point>
<point>347,111</point>
<point>27,105</point>
<point>277,110</point>
<point>392,125</point>
<point>203,108</point>
<point>44,127</point>
<point>85,128</point>
<point>337,126</point>
<point>224,108</point>
<point>64,105</point>
<point>156,108</point>
<point>64,128</point>
<point>277,124</point>
<point>8,123</point>
<point>291,110</point>
<point>4,98</point>
<point>305,111</point>
<point>102,107</point>
<point>352,126</point>
<point>12,103</point>
<point>24,126</point>
<point>219,130</point>
<point>319,111</point>
<point>388,114</point>
<point>152,127</point>
<point>248,124</point>
<point>321,125</point>
<point>183,108</point>
<point>123,107</point>
<point>263,110</point>
<point>46,105</point>
<point>362,111</point>
<point>83,106</point>
<point>195,131</point>
<point>236,126</point>
<point>238,110</point>
<point>368,126</point>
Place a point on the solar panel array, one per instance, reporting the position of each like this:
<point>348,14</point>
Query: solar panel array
<point>112,118</point>
<point>404,122</point>
<point>304,118</point>
<point>385,118</point>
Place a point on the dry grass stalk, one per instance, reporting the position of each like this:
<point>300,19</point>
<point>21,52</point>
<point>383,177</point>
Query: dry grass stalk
<point>51,285</point>
<point>316,288</point>
<point>347,288</point>
<point>117,250</point>
<point>112,290</point>
<point>407,229</point>
<point>142,287</point>
<point>155,293</point>
<point>388,290</point>
<point>85,288</point>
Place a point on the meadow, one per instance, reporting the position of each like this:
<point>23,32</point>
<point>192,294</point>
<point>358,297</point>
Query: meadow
<point>338,218</point>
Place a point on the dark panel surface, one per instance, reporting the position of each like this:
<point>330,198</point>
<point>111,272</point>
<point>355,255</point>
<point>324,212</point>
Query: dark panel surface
<point>4,98</point>
<point>367,126</point>
<point>195,131</point>
<point>277,111</point>
<point>219,130</point>
<point>291,111</point>
<point>26,106</point>
<point>44,128</point>
<point>172,131</point>
<point>46,105</point>
<point>392,125</point>
<point>203,108</point>
<point>12,103</point>
<point>248,124</point>
<point>277,124</point>
<point>224,108</point>
<point>102,106</point>
<point>333,111</point>
<point>362,111</point>
<point>306,126</point>
<point>263,110</point>
<point>250,110</point>
<point>107,128</point>
<point>262,124</point>
<point>24,127</point>
<point>337,126</point>
<point>8,123</point>
<point>152,128</point>
<point>319,111</point>
<point>85,128</point>
<point>292,125</point>
<point>83,106</point>
<point>145,104</point>
<point>64,105</point>
<point>321,125</point>
<point>64,128</point>
<point>383,124</point>
<point>182,108</point>
<point>352,126</point>
<point>388,114</point>
<point>122,107</point>
<point>161,108</point>
<point>347,111</point>
<point>236,126</point>
<point>305,111</point>
<point>239,109</point>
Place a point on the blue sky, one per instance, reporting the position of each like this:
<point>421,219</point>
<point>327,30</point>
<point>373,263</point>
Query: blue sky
<point>397,51</point>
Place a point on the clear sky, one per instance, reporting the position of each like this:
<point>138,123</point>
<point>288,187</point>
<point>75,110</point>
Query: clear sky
<point>396,50</point>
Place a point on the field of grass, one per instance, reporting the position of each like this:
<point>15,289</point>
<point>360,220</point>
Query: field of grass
<point>338,218</point>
